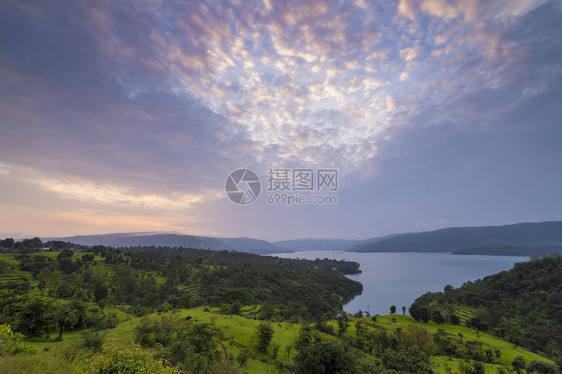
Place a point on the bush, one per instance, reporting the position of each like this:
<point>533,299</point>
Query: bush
<point>12,342</point>
<point>264,331</point>
<point>324,357</point>
<point>243,356</point>
<point>325,328</point>
<point>455,320</point>
<point>415,336</point>
<point>115,359</point>
<point>437,317</point>
<point>93,340</point>
<point>410,360</point>
<point>542,368</point>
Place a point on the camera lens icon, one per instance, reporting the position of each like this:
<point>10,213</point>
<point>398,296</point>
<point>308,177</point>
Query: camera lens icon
<point>242,186</point>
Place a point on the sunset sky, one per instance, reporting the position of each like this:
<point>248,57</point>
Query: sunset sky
<point>129,116</point>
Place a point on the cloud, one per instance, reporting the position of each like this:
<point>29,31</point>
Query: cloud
<point>151,104</point>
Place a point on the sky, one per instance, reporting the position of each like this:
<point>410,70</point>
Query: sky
<point>129,116</point>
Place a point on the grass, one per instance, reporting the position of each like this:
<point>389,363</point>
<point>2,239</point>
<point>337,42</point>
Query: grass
<point>237,334</point>
<point>446,364</point>
<point>40,363</point>
<point>508,350</point>
<point>13,266</point>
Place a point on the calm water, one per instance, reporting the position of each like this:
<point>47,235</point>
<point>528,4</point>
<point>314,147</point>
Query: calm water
<point>399,278</point>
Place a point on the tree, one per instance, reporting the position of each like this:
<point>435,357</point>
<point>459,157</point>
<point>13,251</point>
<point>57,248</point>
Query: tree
<point>128,359</point>
<point>3,266</point>
<point>438,317</point>
<point>7,243</point>
<point>541,368</point>
<point>404,310</point>
<point>100,292</point>
<point>393,309</point>
<point>264,331</point>
<point>476,368</point>
<point>343,322</point>
<point>415,311</point>
<point>65,317</point>
<point>518,364</point>
<point>29,244</point>
<point>424,313</point>
<point>65,253</point>
<point>455,320</point>
<point>409,360</point>
<point>201,338</point>
<point>324,357</point>
<point>35,316</point>
<point>416,336</point>
<point>304,338</point>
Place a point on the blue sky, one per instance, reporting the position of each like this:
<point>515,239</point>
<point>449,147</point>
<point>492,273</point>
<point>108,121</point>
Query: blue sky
<point>129,116</point>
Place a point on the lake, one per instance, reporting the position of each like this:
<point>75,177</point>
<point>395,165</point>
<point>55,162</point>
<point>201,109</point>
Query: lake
<point>399,278</point>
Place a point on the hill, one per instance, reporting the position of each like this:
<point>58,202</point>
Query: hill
<point>511,250</point>
<point>532,235</point>
<point>317,244</point>
<point>166,310</point>
<point>522,305</point>
<point>327,244</point>
<point>247,245</point>
<point>381,345</point>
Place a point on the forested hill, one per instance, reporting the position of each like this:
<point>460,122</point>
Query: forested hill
<point>146,279</point>
<point>247,245</point>
<point>511,250</point>
<point>523,305</point>
<point>528,235</point>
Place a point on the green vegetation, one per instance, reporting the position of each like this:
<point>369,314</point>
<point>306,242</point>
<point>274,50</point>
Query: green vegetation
<point>521,305</point>
<point>174,310</point>
<point>212,342</point>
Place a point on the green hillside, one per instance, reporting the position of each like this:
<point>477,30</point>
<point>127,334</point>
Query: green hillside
<point>234,344</point>
<point>164,310</point>
<point>522,305</point>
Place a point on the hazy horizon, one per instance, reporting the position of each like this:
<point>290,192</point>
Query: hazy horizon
<point>140,233</point>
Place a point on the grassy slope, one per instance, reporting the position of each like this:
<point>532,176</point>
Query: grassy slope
<point>508,351</point>
<point>238,333</point>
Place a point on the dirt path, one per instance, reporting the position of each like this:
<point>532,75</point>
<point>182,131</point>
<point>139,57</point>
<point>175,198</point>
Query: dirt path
<point>224,350</point>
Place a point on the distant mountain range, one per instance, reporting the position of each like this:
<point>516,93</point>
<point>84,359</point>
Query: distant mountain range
<point>247,245</point>
<point>518,239</point>
<point>535,238</point>
<point>327,244</point>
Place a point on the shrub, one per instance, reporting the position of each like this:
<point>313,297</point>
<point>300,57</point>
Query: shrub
<point>542,368</point>
<point>12,342</point>
<point>454,319</point>
<point>437,317</point>
<point>115,359</point>
<point>264,331</point>
<point>93,340</point>
<point>324,357</point>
